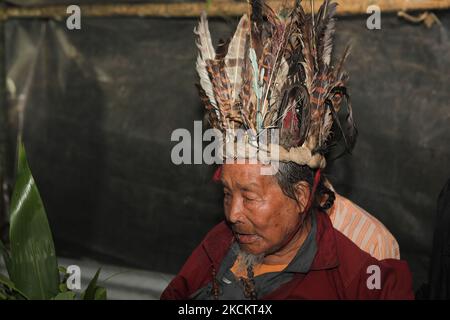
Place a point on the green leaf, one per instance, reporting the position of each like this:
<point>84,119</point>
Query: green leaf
<point>9,284</point>
<point>69,295</point>
<point>100,294</point>
<point>63,287</point>
<point>62,270</point>
<point>89,293</point>
<point>34,269</point>
<point>5,281</point>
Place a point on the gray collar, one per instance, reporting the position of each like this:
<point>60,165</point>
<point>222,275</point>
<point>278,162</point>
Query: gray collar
<point>305,255</point>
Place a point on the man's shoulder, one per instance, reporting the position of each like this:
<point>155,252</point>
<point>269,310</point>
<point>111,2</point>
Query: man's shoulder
<point>352,258</point>
<point>359,269</point>
<point>363,229</point>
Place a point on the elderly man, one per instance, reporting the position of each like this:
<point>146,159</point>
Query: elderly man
<point>278,241</point>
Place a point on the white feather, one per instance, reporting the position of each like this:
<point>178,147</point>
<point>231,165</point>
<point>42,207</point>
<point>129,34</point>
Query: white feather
<point>236,52</point>
<point>206,52</point>
<point>328,42</point>
<point>280,80</point>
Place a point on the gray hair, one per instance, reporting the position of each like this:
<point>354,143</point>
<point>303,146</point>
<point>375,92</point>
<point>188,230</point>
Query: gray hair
<point>291,173</point>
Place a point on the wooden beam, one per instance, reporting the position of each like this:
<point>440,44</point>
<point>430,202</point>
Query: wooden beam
<point>216,8</point>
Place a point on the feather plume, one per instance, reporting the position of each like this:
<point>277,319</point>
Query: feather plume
<point>257,88</point>
<point>211,116</point>
<point>338,74</point>
<point>325,32</point>
<point>245,95</point>
<point>276,72</point>
<point>257,26</point>
<point>206,52</point>
<point>234,60</point>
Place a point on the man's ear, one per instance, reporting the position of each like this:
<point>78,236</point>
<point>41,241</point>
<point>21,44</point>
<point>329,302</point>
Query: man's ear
<point>302,194</point>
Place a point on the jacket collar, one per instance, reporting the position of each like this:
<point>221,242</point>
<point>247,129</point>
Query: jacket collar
<point>217,243</point>
<point>326,256</point>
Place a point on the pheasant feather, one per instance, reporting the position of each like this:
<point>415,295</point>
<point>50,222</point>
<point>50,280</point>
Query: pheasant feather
<point>276,72</point>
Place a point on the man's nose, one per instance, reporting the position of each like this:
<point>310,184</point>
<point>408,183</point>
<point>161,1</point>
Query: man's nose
<point>235,210</point>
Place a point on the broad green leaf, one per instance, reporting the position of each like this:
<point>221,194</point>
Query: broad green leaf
<point>100,293</point>
<point>89,293</point>
<point>8,283</point>
<point>69,295</point>
<point>34,269</point>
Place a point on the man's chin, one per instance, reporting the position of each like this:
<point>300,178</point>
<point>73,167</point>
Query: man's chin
<point>251,249</point>
<point>250,244</point>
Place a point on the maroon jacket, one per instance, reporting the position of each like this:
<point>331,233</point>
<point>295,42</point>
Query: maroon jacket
<point>339,269</point>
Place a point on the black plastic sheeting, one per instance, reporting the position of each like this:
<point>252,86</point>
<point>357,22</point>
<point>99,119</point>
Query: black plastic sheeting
<point>99,106</point>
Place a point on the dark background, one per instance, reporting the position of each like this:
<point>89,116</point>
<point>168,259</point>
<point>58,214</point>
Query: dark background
<point>99,106</point>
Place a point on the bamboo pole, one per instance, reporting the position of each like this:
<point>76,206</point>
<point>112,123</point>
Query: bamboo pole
<point>216,8</point>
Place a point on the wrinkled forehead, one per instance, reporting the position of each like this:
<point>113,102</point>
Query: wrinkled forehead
<point>245,175</point>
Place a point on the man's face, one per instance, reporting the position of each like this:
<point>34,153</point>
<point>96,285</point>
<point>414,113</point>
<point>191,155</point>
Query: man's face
<point>260,214</point>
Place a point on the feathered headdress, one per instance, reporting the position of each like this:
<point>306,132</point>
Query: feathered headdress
<point>276,73</point>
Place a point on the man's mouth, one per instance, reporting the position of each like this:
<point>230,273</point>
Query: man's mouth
<point>246,238</point>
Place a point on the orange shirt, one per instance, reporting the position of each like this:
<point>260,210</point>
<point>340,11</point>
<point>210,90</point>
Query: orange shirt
<point>258,270</point>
